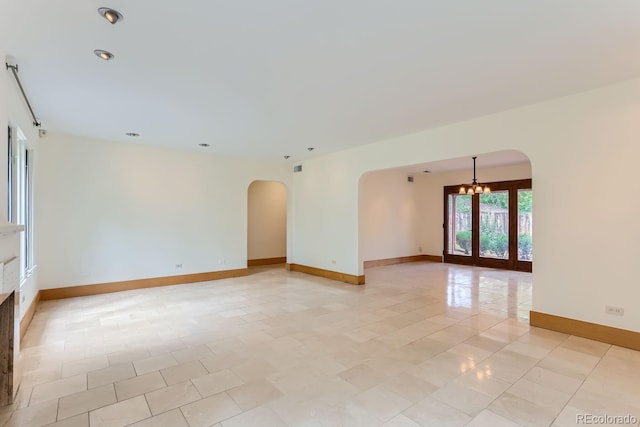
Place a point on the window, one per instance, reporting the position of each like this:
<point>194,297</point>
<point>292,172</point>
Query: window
<point>20,196</point>
<point>490,230</point>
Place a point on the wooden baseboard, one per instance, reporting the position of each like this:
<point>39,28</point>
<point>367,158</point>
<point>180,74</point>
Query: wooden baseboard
<point>593,331</point>
<point>328,274</point>
<point>401,260</point>
<point>28,316</point>
<point>104,288</point>
<point>266,261</point>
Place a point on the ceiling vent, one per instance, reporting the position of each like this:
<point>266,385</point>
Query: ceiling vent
<point>297,168</point>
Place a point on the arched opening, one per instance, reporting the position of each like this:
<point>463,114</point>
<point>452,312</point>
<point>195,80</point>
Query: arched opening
<point>266,224</point>
<point>402,211</point>
<point>404,217</point>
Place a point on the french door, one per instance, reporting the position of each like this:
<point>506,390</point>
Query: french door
<point>490,230</point>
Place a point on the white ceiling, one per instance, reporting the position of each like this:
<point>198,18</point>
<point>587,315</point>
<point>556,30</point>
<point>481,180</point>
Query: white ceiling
<point>485,160</point>
<point>267,78</point>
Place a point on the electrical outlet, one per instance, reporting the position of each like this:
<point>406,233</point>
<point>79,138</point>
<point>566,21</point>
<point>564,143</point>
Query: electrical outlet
<point>614,311</point>
<point>419,248</point>
<point>333,261</point>
<point>178,265</point>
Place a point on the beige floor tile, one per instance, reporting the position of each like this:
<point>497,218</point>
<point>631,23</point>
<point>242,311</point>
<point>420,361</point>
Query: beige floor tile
<point>262,416</point>
<point>120,414</point>
<point>210,410</point>
<point>172,418</point>
<point>217,382</point>
<point>600,404</point>
<point>431,412</point>
<point>172,397</point>
<point>363,376</point>
<point>569,362</point>
<point>218,362</point>
<point>409,387</point>
<point>382,403</point>
<point>522,411</point>
<point>186,371</point>
<point>554,380</point>
<point>319,353</point>
<point>401,421</point>
<point>487,418</point>
<point>540,395</point>
<point>81,420</point>
<point>348,414</point>
<point>36,415</point>
<point>154,363</point>
<point>462,398</point>
<point>86,401</point>
<point>110,375</point>
<point>139,385</point>
<point>127,356</point>
<point>83,366</point>
<point>292,380</point>
<point>481,380</point>
<point>469,351</point>
<point>254,393</point>
<point>584,345</point>
<point>58,388</point>
<point>253,369</point>
<point>192,353</point>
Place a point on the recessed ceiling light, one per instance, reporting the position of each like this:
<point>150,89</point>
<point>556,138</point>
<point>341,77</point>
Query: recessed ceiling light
<point>286,157</point>
<point>310,148</point>
<point>204,145</point>
<point>133,134</point>
<point>110,15</point>
<point>103,54</point>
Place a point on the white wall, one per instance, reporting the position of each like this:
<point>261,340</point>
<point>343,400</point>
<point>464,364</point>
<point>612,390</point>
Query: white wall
<point>267,220</point>
<point>114,211</point>
<point>388,215</point>
<point>585,241</point>
<point>13,112</point>
<point>398,218</point>
<point>430,188</point>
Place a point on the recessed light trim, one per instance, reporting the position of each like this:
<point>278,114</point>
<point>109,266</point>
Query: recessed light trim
<point>103,54</point>
<point>132,134</point>
<point>111,15</point>
<point>205,145</point>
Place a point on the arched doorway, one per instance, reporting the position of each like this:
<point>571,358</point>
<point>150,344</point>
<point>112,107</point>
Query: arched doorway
<point>266,223</point>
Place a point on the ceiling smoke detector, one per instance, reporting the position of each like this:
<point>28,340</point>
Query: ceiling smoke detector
<point>132,134</point>
<point>204,144</point>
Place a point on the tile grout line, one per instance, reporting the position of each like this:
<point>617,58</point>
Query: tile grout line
<point>583,381</point>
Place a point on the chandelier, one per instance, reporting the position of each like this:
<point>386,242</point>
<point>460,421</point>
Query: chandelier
<point>474,188</point>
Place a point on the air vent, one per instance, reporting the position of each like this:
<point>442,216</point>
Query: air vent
<point>409,179</point>
<point>297,168</point>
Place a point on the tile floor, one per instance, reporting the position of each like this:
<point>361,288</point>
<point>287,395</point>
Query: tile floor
<point>422,344</point>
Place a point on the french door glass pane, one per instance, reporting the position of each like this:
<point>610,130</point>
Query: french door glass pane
<point>459,226</point>
<point>525,224</point>
<point>494,225</point>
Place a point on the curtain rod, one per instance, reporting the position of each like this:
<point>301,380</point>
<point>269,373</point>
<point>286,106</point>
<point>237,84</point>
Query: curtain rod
<point>14,69</point>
